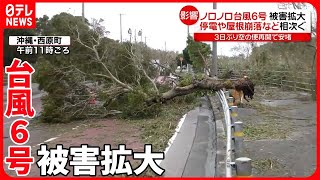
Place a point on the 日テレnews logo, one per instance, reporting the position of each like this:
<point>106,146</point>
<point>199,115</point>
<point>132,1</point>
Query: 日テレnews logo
<point>20,15</point>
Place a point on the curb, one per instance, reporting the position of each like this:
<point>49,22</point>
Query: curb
<point>221,136</point>
<point>193,151</point>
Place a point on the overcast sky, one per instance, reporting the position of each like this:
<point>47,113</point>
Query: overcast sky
<point>159,22</point>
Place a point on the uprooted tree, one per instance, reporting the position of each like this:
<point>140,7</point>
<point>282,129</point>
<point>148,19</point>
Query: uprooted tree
<point>120,75</point>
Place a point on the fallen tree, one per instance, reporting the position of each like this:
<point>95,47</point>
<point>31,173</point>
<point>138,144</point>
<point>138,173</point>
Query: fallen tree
<point>209,84</point>
<point>101,76</point>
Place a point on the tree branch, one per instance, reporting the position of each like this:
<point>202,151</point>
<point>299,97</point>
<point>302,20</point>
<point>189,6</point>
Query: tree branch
<point>137,63</point>
<point>207,83</point>
<point>205,62</point>
<point>164,67</point>
<point>99,59</point>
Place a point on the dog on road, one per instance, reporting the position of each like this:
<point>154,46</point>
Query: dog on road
<point>243,88</point>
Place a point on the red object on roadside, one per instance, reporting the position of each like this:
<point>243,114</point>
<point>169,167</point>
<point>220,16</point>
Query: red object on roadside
<point>92,100</point>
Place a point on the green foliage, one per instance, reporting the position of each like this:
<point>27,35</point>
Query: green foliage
<point>290,55</point>
<point>186,80</point>
<point>262,59</point>
<point>164,88</point>
<point>158,130</point>
<point>189,98</point>
<point>273,62</point>
<point>43,76</point>
<point>133,105</point>
<point>226,74</point>
<point>67,98</point>
<point>43,26</point>
<point>186,56</point>
<point>293,57</point>
<point>189,78</point>
<point>199,53</point>
<point>50,112</point>
<point>184,61</point>
<point>228,83</point>
<point>64,78</point>
<point>11,51</point>
<point>199,76</point>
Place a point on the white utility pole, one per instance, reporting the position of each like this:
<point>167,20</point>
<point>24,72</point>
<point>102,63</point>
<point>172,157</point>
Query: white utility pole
<point>121,27</point>
<point>214,66</point>
<point>83,19</point>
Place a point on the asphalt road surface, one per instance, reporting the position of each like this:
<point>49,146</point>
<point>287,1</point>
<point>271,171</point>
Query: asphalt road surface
<point>36,103</point>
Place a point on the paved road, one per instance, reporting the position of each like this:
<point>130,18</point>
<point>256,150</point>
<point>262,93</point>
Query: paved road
<point>193,151</point>
<point>36,139</point>
<point>8,121</point>
<point>196,147</point>
<point>292,153</point>
<point>39,132</point>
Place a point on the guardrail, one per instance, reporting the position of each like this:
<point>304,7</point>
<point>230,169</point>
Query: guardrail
<point>305,81</point>
<point>242,165</point>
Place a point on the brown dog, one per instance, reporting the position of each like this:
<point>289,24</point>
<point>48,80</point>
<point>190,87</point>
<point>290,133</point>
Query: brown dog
<point>243,87</point>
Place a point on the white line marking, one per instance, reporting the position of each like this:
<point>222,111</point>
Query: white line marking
<point>75,128</point>
<point>48,140</point>
<point>51,139</point>
<point>171,140</point>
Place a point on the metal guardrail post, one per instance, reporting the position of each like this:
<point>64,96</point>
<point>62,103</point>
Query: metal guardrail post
<point>238,139</point>
<point>230,101</point>
<point>243,167</point>
<point>242,164</point>
<point>233,114</point>
<point>226,111</point>
<point>227,94</point>
<point>233,119</point>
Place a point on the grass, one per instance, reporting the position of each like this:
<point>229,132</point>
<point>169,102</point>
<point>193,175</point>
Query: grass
<point>265,165</point>
<point>158,130</point>
<point>271,126</point>
<point>266,130</point>
<point>261,108</point>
